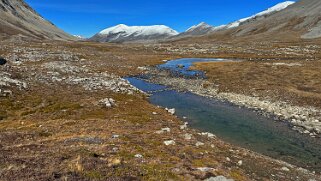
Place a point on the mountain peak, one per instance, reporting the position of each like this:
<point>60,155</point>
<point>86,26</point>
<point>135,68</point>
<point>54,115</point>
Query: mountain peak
<point>124,33</point>
<point>201,25</point>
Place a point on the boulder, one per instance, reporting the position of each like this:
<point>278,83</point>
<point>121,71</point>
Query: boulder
<point>2,61</point>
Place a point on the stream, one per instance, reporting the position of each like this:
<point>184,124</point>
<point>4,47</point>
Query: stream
<point>239,126</point>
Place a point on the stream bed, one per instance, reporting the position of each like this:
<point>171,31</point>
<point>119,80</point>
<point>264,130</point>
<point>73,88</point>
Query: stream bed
<point>239,126</point>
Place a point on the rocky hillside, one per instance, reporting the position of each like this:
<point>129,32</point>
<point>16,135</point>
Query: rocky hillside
<point>200,29</point>
<point>297,21</point>
<point>17,17</point>
<point>123,33</point>
<point>302,18</point>
<point>204,28</point>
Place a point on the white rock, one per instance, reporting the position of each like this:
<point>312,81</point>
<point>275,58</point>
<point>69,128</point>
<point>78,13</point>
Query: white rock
<point>285,169</point>
<point>169,142</point>
<point>210,135</point>
<point>163,130</point>
<point>138,156</point>
<point>107,102</point>
<point>172,111</point>
<point>199,144</point>
<point>218,178</point>
<point>188,136</point>
<point>115,136</point>
<point>240,163</point>
<point>205,169</point>
<point>184,126</point>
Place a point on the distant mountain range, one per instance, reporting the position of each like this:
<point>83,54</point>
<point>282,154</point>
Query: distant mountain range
<point>203,28</point>
<point>17,18</point>
<point>298,20</point>
<point>124,33</point>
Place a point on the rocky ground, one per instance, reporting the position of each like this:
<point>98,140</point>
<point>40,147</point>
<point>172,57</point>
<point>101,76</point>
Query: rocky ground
<point>66,114</point>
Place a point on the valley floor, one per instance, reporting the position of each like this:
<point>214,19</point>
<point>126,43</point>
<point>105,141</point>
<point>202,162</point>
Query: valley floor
<point>54,124</point>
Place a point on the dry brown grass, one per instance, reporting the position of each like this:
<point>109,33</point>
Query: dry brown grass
<point>60,132</point>
<point>300,85</point>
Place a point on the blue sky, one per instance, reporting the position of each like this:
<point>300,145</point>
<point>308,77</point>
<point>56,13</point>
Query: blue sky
<point>87,17</point>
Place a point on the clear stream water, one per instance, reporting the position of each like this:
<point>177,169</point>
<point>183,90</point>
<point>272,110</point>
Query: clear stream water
<point>239,126</point>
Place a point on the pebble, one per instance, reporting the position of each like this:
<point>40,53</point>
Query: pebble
<point>218,178</point>
<point>199,144</point>
<point>169,142</point>
<point>138,156</point>
<point>205,169</point>
<point>163,130</point>
<point>107,102</point>
<point>240,163</point>
<point>171,111</point>
<point>285,169</point>
<point>188,136</point>
<point>115,136</point>
<point>184,126</point>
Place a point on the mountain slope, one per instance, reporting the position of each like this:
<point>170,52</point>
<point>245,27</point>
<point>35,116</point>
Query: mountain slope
<point>17,17</point>
<point>200,29</point>
<point>260,15</point>
<point>123,33</point>
<point>301,20</point>
<point>204,29</point>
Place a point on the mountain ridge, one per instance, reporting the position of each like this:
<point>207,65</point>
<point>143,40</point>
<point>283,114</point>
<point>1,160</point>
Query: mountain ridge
<point>18,18</point>
<point>123,33</point>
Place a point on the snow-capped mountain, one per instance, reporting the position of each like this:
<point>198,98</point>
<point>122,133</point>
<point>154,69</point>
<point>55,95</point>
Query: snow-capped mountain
<point>204,28</point>
<point>269,11</point>
<point>124,33</point>
<point>199,29</point>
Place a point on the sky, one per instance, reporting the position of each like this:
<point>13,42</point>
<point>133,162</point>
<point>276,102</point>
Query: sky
<point>88,17</point>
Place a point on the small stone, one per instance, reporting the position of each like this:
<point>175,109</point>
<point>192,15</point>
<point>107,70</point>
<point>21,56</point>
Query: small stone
<point>218,178</point>
<point>187,136</point>
<point>154,113</point>
<point>163,130</point>
<point>209,135</point>
<point>115,136</point>
<point>199,144</point>
<point>107,102</point>
<point>172,111</point>
<point>169,142</point>
<point>184,126</point>
<point>205,169</point>
<point>306,132</point>
<point>240,163</point>
<point>285,169</point>
<point>114,162</point>
<point>228,159</point>
<point>138,156</point>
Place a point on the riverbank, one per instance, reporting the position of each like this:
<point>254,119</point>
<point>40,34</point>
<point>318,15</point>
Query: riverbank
<point>303,119</point>
<point>77,119</point>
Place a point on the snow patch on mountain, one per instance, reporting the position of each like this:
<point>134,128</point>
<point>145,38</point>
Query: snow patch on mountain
<point>271,10</point>
<point>200,26</point>
<point>139,30</point>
